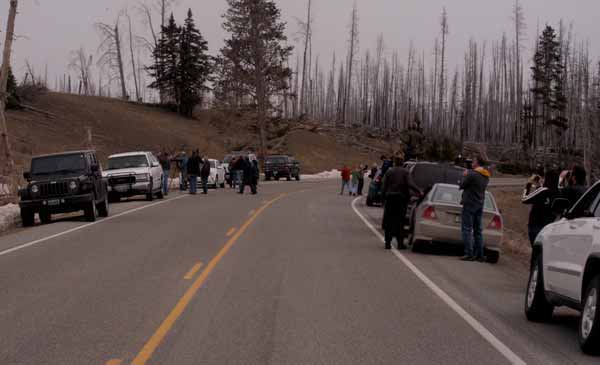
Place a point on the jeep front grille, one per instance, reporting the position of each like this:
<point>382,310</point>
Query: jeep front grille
<point>54,189</point>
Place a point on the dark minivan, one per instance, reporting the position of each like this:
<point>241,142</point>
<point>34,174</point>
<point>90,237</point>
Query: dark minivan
<point>64,183</point>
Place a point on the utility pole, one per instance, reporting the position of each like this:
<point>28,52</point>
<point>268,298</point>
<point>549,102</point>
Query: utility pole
<point>8,166</point>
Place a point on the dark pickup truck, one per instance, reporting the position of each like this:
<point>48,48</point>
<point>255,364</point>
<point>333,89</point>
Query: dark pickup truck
<point>64,183</point>
<point>281,166</point>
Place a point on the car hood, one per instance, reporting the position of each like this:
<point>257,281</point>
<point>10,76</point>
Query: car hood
<point>130,171</point>
<point>57,177</point>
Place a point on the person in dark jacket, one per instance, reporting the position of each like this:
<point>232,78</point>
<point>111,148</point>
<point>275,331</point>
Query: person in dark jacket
<point>193,170</point>
<point>248,175</point>
<point>396,191</point>
<point>474,185</point>
<point>255,176</point>
<point>541,200</point>
<point>165,162</point>
<point>386,164</point>
<point>577,185</point>
<point>204,175</point>
<point>361,179</point>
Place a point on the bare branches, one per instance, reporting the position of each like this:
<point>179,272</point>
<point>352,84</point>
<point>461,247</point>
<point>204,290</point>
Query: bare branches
<point>81,63</point>
<point>110,53</point>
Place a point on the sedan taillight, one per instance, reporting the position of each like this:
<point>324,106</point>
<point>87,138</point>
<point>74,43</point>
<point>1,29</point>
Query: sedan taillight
<point>429,213</point>
<point>496,223</point>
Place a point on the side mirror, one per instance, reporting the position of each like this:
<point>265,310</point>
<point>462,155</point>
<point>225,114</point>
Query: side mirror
<point>560,206</point>
<point>27,176</point>
<point>155,164</point>
<point>95,168</point>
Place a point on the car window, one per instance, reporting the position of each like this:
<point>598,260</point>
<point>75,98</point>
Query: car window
<point>57,164</point>
<point>427,175</point>
<point>127,162</point>
<point>278,160</point>
<point>452,195</point>
<point>586,204</point>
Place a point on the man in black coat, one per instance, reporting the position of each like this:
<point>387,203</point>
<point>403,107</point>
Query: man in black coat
<point>204,175</point>
<point>396,190</point>
<point>248,172</point>
<point>193,170</point>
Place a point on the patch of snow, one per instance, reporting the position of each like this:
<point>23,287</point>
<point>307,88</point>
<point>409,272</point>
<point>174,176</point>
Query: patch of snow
<point>9,216</point>
<point>325,175</point>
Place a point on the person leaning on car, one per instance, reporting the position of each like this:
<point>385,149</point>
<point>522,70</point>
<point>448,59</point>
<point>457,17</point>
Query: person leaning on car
<point>397,185</point>
<point>474,184</point>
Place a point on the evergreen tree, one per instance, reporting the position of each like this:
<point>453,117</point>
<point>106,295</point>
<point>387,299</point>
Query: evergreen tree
<point>12,101</point>
<point>193,67</point>
<point>256,54</point>
<point>548,82</point>
<point>166,61</point>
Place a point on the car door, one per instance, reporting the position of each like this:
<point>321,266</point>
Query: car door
<point>568,245</point>
<point>155,169</point>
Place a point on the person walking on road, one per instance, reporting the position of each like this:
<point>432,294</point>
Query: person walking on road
<point>541,200</point>
<point>248,176</point>
<point>193,170</point>
<point>396,191</point>
<point>361,179</point>
<point>182,161</point>
<point>165,163</point>
<point>474,185</point>
<point>354,181</point>
<point>204,175</point>
<point>255,176</point>
<point>346,179</point>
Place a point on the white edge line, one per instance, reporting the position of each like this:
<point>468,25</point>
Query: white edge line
<point>32,243</point>
<point>477,326</point>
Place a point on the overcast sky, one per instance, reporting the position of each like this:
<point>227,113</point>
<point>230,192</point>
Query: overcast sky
<point>50,29</point>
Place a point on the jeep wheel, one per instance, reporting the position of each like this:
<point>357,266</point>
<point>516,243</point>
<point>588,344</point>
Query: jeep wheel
<point>298,177</point>
<point>537,307</point>
<point>268,178</point>
<point>45,217</point>
<point>103,208</point>
<point>91,212</point>
<point>114,198</point>
<point>289,178</point>
<point>27,217</point>
<point>589,326</point>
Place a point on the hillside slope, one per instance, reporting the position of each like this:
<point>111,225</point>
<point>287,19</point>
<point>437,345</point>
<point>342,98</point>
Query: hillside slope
<point>118,126</point>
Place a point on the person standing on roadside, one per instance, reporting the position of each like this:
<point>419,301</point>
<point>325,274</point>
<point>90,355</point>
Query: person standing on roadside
<point>361,179</point>
<point>182,161</point>
<point>239,170</point>
<point>386,164</point>
<point>474,185</point>
<point>541,200</point>
<point>248,174</point>
<point>255,177</point>
<point>204,175</point>
<point>346,179</point>
<point>193,170</point>
<point>165,163</point>
<point>355,181</point>
<point>396,191</point>
<point>577,185</point>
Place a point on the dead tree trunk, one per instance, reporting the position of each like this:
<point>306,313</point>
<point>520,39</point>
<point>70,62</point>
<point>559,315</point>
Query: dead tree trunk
<point>135,77</point>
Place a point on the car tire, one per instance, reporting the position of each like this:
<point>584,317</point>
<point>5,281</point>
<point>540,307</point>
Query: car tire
<point>589,324</point>
<point>150,194</point>
<point>45,217</point>
<point>537,306</point>
<point>268,178</point>
<point>91,212</point>
<point>114,198</point>
<point>492,256</point>
<point>27,217</point>
<point>369,201</point>
<point>289,178</point>
<point>298,177</point>
<point>277,178</point>
<point>103,208</point>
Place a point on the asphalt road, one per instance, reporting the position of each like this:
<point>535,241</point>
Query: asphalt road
<point>293,275</point>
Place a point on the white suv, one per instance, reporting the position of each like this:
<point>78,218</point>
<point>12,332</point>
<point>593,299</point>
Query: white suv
<point>565,269</point>
<point>134,173</point>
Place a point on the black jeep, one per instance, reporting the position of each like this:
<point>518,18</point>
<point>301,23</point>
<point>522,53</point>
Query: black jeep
<point>64,183</point>
<point>281,166</point>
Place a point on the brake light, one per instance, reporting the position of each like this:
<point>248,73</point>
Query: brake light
<point>496,223</point>
<point>429,213</point>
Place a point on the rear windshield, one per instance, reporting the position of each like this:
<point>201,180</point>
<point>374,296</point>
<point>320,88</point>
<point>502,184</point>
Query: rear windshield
<point>425,175</point>
<point>127,162</point>
<point>452,195</point>
<point>57,164</point>
<point>277,159</point>
<point>213,164</point>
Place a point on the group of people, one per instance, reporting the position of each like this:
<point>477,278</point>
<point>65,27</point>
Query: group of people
<point>544,187</point>
<point>191,169</point>
<point>353,180</point>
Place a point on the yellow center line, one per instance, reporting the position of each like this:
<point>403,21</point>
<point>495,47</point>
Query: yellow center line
<point>193,271</point>
<point>252,212</point>
<point>231,231</point>
<point>146,352</point>
<point>114,362</point>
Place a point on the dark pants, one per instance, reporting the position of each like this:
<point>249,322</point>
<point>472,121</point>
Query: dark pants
<point>252,187</point>
<point>533,233</point>
<point>394,217</point>
<point>472,232</point>
<point>204,184</point>
<point>193,184</point>
<point>361,185</point>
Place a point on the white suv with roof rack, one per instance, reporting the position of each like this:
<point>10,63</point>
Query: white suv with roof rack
<point>134,173</point>
<point>565,268</point>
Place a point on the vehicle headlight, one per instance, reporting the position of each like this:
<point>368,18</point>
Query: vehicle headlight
<point>73,186</point>
<point>34,189</point>
<point>142,177</point>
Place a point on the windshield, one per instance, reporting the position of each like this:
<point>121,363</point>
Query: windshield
<point>280,160</point>
<point>127,162</point>
<point>213,165</point>
<point>452,195</point>
<point>53,164</point>
<point>427,175</point>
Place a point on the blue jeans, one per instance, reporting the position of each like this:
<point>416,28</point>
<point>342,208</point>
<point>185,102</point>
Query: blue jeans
<point>165,182</point>
<point>204,185</point>
<point>193,184</point>
<point>472,233</point>
<point>345,184</point>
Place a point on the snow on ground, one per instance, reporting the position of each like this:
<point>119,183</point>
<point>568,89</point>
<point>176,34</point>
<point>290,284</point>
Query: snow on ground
<point>325,175</point>
<point>9,216</point>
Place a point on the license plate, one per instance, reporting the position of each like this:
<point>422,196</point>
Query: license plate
<point>53,202</point>
<point>122,188</point>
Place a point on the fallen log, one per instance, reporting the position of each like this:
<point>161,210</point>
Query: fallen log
<point>40,111</point>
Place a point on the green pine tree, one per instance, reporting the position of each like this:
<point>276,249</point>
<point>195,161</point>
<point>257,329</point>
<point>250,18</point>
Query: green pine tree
<point>166,61</point>
<point>193,68</point>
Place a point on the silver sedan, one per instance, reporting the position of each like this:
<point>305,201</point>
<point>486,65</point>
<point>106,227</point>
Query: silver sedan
<point>438,219</point>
